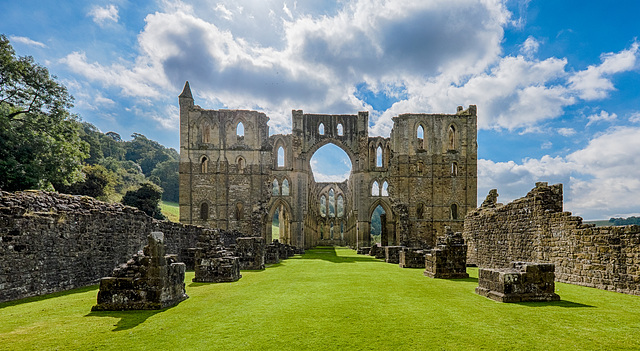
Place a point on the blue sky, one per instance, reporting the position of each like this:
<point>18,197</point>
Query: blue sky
<point>556,82</point>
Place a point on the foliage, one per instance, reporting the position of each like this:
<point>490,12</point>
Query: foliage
<point>146,198</point>
<point>376,226</point>
<point>165,174</point>
<point>625,221</point>
<point>329,299</point>
<point>39,141</point>
<point>98,182</point>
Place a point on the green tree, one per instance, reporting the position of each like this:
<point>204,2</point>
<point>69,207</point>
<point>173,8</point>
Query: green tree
<point>99,182</point>
<point>39,139</point>
<point>146,198</point>
<point>166,174</point>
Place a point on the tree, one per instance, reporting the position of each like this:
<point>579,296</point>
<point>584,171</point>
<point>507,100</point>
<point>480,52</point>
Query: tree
<point>166,174</point>
<point>146,198</point>
<point>99,182</point>
<point>39,139</point>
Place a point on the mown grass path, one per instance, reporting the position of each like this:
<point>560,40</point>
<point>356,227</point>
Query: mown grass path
<point>329,299</point>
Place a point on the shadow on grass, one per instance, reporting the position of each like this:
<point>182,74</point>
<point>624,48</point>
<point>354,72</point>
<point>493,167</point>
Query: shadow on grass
<point>128,319</point>
<point>328,253</point>
<point>561,303</point>
<point>48,296</point>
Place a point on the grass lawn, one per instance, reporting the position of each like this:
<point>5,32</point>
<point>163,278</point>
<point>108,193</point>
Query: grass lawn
<point>324,300</point>
<point>171,210</point>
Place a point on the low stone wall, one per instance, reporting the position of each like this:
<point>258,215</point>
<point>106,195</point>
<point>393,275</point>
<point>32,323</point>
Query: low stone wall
<point>392,254</point>
<point>535,229</point>
<point>448,260</point>
<point>52,242</point>
<point>412,258</point>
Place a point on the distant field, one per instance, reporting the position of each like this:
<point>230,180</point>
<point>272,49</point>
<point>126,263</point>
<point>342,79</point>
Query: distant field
<point>600,223</point>
<point>171,210</point>
<point>329,299</point>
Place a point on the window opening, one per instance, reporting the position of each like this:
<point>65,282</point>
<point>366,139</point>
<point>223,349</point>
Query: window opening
<point>321,129</point>
<point>240,129</point>
<point>385,189</point>
<point>285,187</point>
<point>340,129</point>
<point>275,188</point>
<point>280,156</point>
<point>204,211</point>
<point>454,211</point>
<point>340,206</point>
<point>379,156</point>
<point>375,189</point>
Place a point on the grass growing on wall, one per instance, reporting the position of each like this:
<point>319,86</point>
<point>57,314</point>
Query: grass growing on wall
<point>171,210</point>
<point>329,299</point>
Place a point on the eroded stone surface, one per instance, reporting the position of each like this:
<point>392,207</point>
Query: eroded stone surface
<point>213,262</point>
<point>523,281</point>
<point>535,229</point>
<point>448,260</point>
<point>235,176</point>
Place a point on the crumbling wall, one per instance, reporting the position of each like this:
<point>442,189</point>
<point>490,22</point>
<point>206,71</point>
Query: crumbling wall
<point>52,242</point>
<point>535,229</point>
<point>150,280</point>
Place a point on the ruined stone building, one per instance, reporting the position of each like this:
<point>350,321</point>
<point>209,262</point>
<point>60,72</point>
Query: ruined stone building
<point>234,175</point>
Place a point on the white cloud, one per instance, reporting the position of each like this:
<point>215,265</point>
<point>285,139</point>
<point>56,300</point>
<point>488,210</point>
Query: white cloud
<point>265,59</point>
<point>319,59</point>
<point>594,83</point>
<point>224,12</point>
<point>635,117</point>
<point>26,41</point>
<point>600,181</point>
<point>287,11</point>
<point>566,131</point>
<point>530,47</point>
<point>169,118</point>
<point>546,145</point>
<point>602,116</point>
<point>102,15</point>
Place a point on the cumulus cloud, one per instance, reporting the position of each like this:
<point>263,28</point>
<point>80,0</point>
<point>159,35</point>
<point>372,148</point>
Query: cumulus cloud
<point>603,116</point>
<point>320,59</point>
<point>442,53</point>
<point>26,41</point>
<point>103,15</point>
<point>601,180</point>
<point>594,82</point>
<point>635,117</point>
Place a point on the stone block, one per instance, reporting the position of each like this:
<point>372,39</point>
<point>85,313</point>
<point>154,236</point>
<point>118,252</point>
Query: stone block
<point>523,281</point>
<point>147,281</point>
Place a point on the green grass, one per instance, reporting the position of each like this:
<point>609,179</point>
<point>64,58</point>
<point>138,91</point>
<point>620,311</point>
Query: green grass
<point>171,210</point>
<point>324,300</point>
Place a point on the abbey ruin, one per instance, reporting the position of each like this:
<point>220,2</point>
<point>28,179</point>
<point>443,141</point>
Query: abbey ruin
<point>235,176</point>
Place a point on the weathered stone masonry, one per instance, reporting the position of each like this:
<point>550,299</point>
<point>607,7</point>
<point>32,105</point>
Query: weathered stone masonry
<point>52,242</point>
<point>535,229</point>
<point>235,176</point>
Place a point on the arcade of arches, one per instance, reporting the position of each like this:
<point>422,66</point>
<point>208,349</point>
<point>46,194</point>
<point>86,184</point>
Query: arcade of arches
<point>234,175</point>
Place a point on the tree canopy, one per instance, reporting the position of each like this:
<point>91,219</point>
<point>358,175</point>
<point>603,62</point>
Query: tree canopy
<point>39,138</point>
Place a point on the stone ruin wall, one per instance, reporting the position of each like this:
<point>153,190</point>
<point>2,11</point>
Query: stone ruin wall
<point>52,242</point>
<point>535,229</point>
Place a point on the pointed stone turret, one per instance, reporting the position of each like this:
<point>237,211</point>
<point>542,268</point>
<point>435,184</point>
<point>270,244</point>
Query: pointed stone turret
<point>186,92</point>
